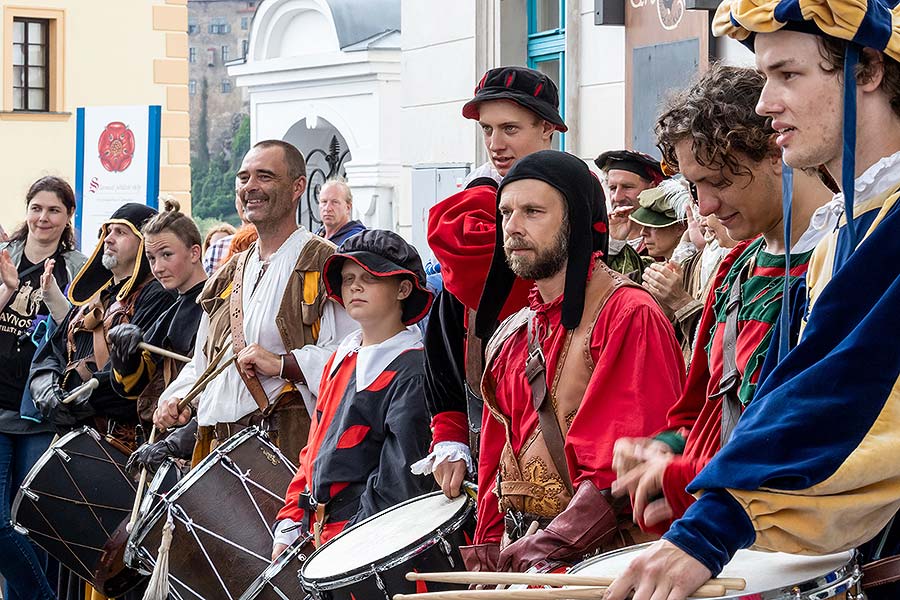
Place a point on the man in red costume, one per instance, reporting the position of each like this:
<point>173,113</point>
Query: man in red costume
<point>742,187</point>
<point>591,358</point>
<point>518,112</point>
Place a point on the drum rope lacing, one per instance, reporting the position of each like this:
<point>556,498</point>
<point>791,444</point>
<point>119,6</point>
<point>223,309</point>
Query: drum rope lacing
<point>56,535</point>
<point>176,512</point>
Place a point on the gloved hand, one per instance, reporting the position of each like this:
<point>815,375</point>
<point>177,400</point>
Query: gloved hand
<point>124,353</point>
<point>179,444</point>
<point>482,557</point>
<point>586,523</point>
<point>48,398</point>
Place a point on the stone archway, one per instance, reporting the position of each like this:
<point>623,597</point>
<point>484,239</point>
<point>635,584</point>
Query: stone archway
<point>327,153</point>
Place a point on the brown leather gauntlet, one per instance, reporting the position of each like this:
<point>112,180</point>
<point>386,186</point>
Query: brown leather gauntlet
<point>586,524</point>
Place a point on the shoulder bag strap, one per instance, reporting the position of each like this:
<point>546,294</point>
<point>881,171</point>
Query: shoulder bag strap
<point>536,373</point>
<point>731,378</point>
<point>236,314</point>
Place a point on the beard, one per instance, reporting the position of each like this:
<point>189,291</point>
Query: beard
<point>109,261</point>
<point>544,262</point>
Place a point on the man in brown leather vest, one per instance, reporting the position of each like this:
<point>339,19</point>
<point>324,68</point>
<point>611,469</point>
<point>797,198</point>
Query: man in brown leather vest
<point>267,307</point>
<point>115,286</point>
<point>590,358</point>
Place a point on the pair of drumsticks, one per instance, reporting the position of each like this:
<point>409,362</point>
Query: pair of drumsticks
<point>589,586</point>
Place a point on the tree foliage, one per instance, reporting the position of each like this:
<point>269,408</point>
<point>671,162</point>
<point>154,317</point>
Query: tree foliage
<point>212,180</point>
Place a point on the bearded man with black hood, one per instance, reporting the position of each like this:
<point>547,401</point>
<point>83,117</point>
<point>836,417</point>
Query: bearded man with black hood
<point>115,286</point>
<point>590,358</point>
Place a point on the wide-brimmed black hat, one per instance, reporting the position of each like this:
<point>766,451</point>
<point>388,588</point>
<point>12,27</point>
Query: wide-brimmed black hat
<point>93,276</point>
<point>526,87</point>
<point>638,163</point>
<point>383,254</point>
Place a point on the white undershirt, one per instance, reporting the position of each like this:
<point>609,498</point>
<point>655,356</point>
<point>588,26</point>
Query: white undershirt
<point>226,398</point>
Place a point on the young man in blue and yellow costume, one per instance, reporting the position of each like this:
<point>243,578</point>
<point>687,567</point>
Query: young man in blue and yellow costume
<point>812,466</point>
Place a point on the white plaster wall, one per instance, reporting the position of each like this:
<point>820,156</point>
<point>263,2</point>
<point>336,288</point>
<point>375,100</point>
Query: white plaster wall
<point>438,77</point>
<point>601,110</point>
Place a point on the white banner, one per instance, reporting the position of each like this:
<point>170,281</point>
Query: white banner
<point>117,161</point>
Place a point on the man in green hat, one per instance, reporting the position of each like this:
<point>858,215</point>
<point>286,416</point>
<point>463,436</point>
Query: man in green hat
<point>662,216</point>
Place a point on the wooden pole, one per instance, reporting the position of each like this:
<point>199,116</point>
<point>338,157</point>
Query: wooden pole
<point>84,388</point>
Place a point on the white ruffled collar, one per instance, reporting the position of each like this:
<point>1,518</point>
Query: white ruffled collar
<point>879,179</point>
<point>371,361</point>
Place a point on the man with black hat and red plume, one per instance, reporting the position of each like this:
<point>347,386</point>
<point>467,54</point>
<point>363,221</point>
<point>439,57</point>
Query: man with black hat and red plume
<point>115,286</point>
<point>517,110</point>
<point>370,421</point>
<point>590,358</point>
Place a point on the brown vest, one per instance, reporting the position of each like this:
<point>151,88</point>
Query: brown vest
<point>530,482</point>
<point>93,317</point>
<point>298,315</point>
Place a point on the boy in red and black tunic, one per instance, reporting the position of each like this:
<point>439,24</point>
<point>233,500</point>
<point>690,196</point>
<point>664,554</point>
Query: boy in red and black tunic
<point>370,422</point>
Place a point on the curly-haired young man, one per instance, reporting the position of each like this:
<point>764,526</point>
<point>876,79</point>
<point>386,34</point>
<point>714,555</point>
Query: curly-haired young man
<point>812,466</point>
<point>713,136</point>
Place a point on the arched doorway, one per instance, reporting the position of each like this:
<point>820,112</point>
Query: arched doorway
<point>326,153</point>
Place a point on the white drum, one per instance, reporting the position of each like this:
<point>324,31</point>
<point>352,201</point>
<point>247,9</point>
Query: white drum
<point>769,575</point>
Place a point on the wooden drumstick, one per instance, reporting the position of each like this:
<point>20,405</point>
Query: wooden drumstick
<point>573,593</point>
<point>88,387</point>
<point>557,579</point>
<point>163,352</point>
<point>139,495</point>
<point>532,529</point>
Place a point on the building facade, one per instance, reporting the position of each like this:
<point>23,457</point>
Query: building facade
<point>74,60</point>
<point>614,62</point>
<point>218,33</point>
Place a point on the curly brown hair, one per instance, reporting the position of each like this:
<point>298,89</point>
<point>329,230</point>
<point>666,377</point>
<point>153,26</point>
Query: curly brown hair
<point>833,51</point>
<point>718,113</point>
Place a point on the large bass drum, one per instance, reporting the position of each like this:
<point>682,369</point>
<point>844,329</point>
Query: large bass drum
<point>370,559</point>
<point>222,511</point>
<point>72,501</point>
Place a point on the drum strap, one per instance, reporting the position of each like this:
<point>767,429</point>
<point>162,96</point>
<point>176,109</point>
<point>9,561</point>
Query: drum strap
<point>474,368</point>
<point>881,572</point>
<point>237,332</point>
<point>536,373</point>
<point>730,383</point>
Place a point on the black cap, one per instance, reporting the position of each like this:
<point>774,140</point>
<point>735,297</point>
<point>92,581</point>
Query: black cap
<point>526,87</point>
<point>383,254</point>
<point>588,233</point>
<point>93,276</point>
<point>638,163</point>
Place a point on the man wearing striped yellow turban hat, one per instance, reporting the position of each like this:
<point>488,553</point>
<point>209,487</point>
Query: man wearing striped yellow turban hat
<point>822,475</point>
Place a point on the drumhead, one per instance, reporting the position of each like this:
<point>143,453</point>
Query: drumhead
<point>396,529</point>
<point>767,573</point>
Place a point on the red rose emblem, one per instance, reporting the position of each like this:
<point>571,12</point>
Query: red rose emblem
<point>116,147</point>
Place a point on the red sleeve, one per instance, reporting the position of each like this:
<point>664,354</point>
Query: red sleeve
<point>291,509</point>
<point>638,374</point>
<point>489,528</point>
<point>450,426</point>
<point>687,409</point>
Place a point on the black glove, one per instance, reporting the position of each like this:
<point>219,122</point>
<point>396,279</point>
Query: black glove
<point>179,444</point>
<point>124,353</point>
<point>48,398</point>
